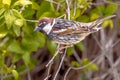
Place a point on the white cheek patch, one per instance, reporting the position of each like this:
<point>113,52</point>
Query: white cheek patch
<point>48,27</point>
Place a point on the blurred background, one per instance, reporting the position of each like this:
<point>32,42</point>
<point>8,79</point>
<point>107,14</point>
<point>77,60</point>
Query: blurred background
<point>24,53</point>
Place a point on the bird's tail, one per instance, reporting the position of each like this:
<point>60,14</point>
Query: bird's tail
<point>98,22</point>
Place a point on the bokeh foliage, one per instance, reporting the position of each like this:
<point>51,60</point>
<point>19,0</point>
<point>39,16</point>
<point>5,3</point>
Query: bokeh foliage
<point>18,40</point>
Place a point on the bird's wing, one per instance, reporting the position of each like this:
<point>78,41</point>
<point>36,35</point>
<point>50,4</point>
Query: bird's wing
<point>64,27</point>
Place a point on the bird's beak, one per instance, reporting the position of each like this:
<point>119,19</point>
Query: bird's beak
<point>36,28</point>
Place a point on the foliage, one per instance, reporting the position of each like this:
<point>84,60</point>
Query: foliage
<point>18,40</point>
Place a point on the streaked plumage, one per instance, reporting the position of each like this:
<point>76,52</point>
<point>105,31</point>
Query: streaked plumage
<point>68,32</point>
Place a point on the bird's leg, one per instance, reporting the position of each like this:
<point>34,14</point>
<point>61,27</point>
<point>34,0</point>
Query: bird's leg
<point>64,47</point>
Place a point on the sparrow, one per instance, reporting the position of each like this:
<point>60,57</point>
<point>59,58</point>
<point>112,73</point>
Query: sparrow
<point>68,32</point>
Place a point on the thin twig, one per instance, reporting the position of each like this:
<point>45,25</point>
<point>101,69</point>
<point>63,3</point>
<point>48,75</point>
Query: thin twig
<point>64,15</point>
<point>75,68</point>
<point>115,43</point>
<point>74,9</point>
<point>110,2</point>
<point>4,41</point>
<point>68,9</point>
<point>63,57</point>
<point>56,53</point>
<point>67,73</point>
<point>28,72</point>
<point>31,20</point>
<point>23,8</point>
<point>76,56</point>
<point>54,2</point>
<point>10,75</point>
<point>97,42</point>
<point>48,72</point>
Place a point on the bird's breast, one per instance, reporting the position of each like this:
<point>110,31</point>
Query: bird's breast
<point>66,39</point>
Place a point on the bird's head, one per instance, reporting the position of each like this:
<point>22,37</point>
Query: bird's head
<point>45,25</point>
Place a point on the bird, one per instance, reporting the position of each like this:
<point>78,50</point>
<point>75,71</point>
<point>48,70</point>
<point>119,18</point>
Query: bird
<point>68,32</point>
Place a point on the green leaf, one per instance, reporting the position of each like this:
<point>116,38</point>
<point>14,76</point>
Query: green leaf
<point>3,31</point>
<point>2,20</point>
<point>83,18</point>
<point>48,14</point>
<point>2,11</point>
<point>75,64</point>
<point>94,16</point>
<point>101,9</point>
<point>26,58</point>
<point>32,41</point>
<point>70,51</point>
<point>23,2</point>
<point>35,6</point>
<point>15,74</point>
<point>6,2</point>
<point>45,7</point>
<point>75,15</point>
<point>90,65</point>
<point>18,22</point>
<point>16,30</point>
<point>40,38</point>
<point>80,46</point>
<point>2,35</point>
<point>51,46</point>
<point>9,19</point>
<point>110,9</point>
<point>16,58</point>
<point>108,23</point>
<point>17,13</point>
<point>15,47</point>
<point>30,11</point>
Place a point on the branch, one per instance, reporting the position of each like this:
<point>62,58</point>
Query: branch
<point>63,57</point>
<point>68,9</point>
<point>23,8</point>
<point>56,53</point>
<point>31,20</point>
<point>75,68</point>
<point>48,72</point>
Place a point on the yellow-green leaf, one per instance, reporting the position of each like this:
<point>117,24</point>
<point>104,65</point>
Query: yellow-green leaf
<point>110,9</point>
<point>16,30</point>
<point>25,2</point>
<point>51,46</point>
<point>94,16</point>
<point>7,2</point>
<point>2,11</point>
<point>2,35</point>
<point>108,22</point>
<point>75,64</point>
<point>35,6</point>
<point>16,13</point>
<point>9,19</point>
<point>15,47</point>
<point>18,22</point>
<point>26,58</point>
<point>80,46</point>
<point>70,51</point>
<point>15,74</point>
